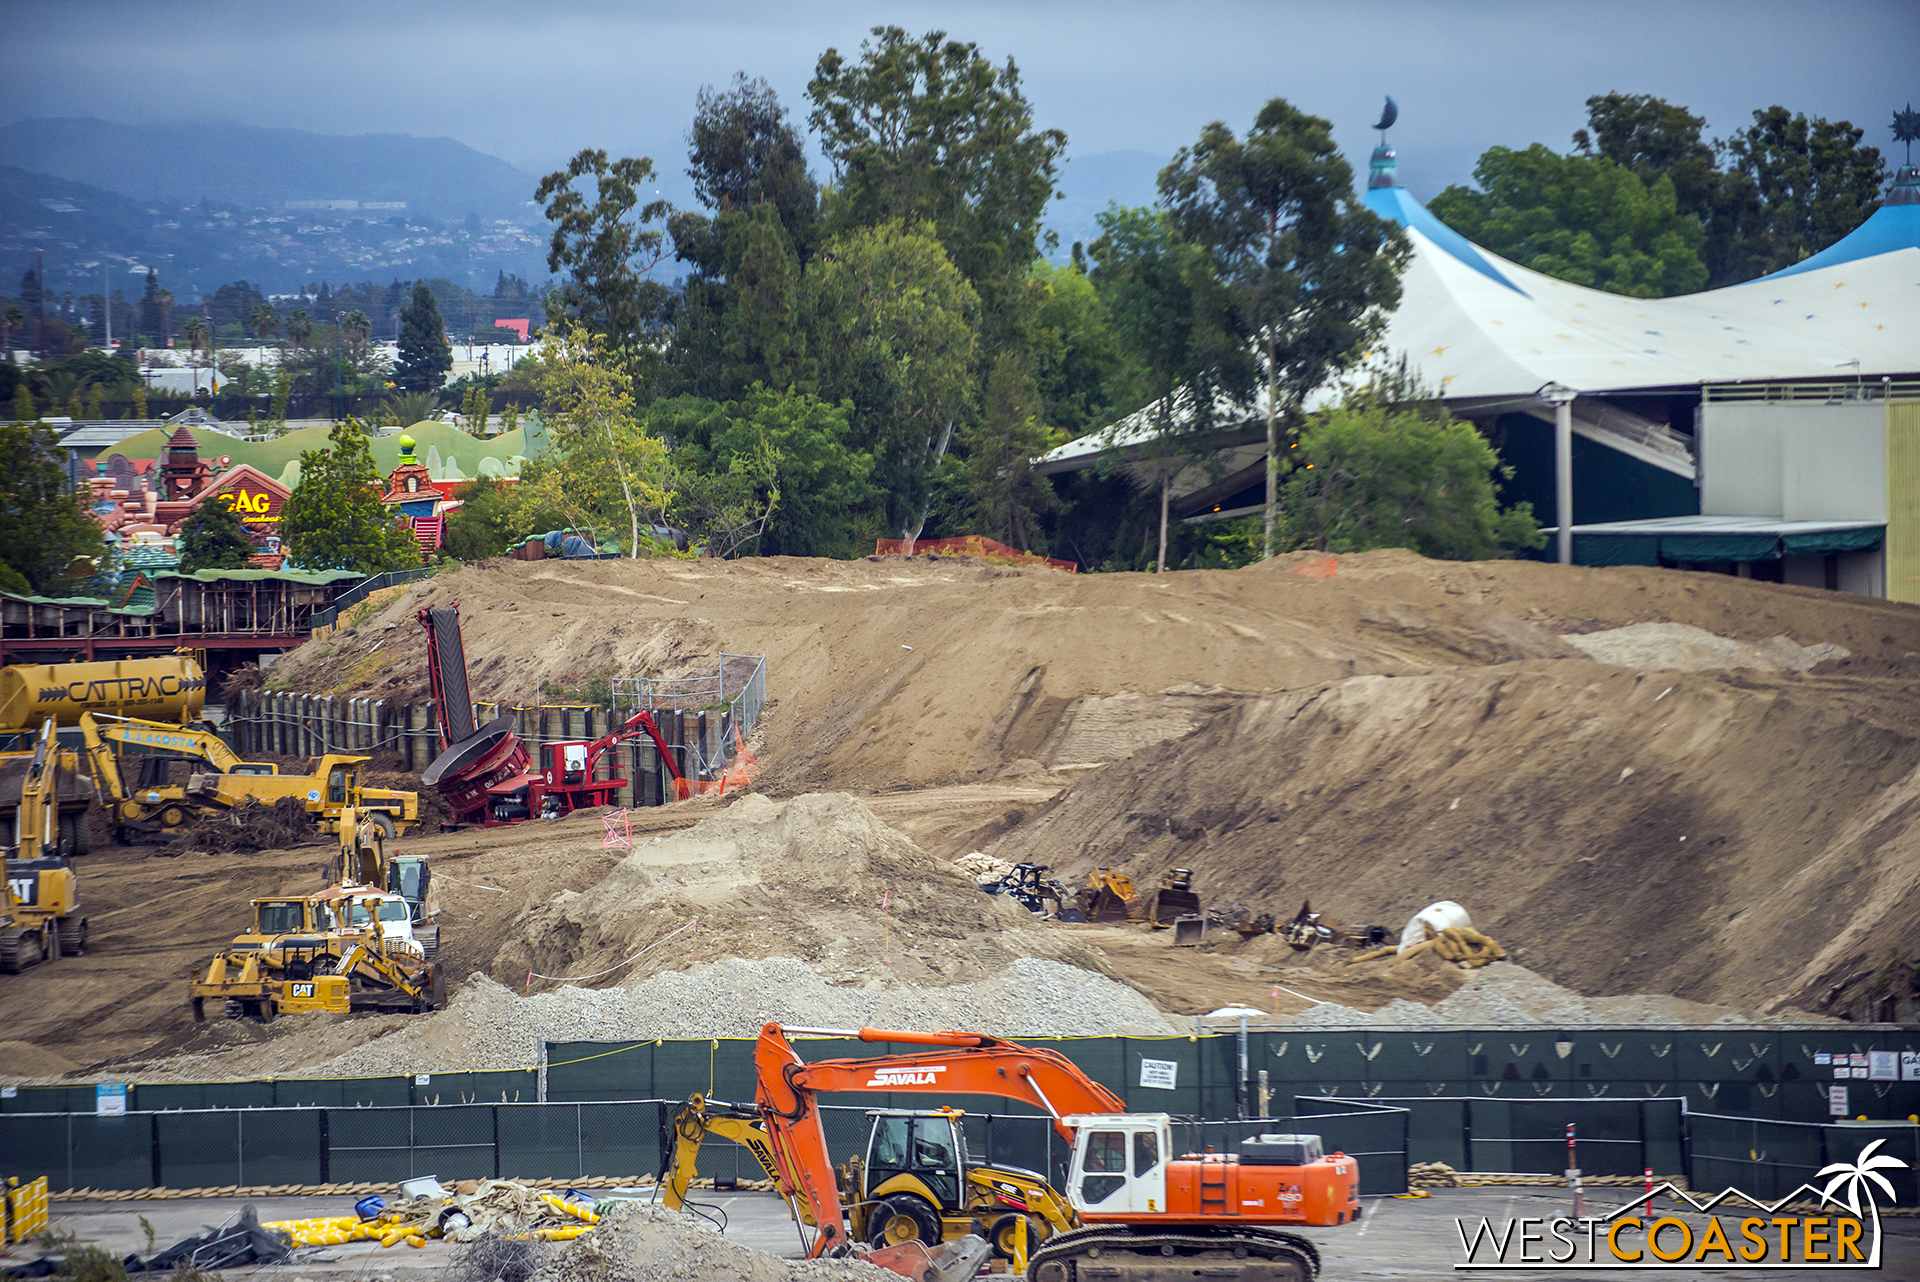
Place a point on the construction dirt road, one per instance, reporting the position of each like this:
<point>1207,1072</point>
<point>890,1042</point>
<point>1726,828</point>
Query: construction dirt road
<point>1639,781</point>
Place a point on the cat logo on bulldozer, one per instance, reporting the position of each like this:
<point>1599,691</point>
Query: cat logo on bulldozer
<point>303,989</point>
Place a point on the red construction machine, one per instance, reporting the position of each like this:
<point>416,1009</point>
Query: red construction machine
<point>1143,1214</point>
<point>486,773</point>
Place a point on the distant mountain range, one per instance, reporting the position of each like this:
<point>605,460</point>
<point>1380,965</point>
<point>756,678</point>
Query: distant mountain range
<point>250,167</point>
<point>206,204</point>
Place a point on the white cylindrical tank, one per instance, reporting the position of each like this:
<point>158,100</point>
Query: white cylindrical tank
<point>1431,920</point>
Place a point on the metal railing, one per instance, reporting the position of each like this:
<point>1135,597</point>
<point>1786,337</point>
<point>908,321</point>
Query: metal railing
<point>738,714</point>
<point>1833,393</point>
<point>360,592</point>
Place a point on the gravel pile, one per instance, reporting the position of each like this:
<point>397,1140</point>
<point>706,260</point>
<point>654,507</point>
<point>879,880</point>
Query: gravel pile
<point>639,1243</point>
<point>1505,993</point>
<point>1681,647</point>
<point>488,1026</point>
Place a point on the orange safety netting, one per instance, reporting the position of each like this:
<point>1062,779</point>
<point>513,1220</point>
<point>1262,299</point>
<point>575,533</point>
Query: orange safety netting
<point>736,776</point>
<point>969,545</point>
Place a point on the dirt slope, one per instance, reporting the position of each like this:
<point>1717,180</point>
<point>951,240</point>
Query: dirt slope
<point>1374,732</point>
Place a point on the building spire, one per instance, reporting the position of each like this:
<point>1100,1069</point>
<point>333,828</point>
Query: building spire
<point>1380,169</point>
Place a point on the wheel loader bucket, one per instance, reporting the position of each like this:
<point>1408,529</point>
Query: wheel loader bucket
<point>1188,929</point>
<point>949,1262</point>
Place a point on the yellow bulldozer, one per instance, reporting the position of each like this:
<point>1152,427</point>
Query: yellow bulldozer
<point>352,946</point>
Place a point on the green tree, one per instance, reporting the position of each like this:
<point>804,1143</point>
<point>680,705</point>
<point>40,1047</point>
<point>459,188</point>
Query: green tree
<point>163,299</point>
<point>263,321</point>
<point>1803,184</point>
<point>213,538</point>
<point>23,410</point>
<point>335,520</point>
<point>1083,375</point>
<point>1394,476</point>
<point>605,243</point>
<point>474,409</point>
<point>299,328</point>
<point>425,355</point>
<point>11,322</point>
<point>199,339</point>
<point>282,387</point>
<point>609,467</point>
<point>929,130</point>
<point>1008,497</point>
<point>743,152</point>
<point>897,336</point>
<point>1582,219</point>
<point>822,486</point>
<point>1166,310</point>
<point>45,530</point>
<point>1311,271</point>
<point>484,523</point>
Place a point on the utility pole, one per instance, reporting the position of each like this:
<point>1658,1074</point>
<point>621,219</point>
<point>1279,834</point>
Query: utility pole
<point>106,296</point>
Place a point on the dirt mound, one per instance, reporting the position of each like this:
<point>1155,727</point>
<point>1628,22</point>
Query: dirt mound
<point>1683,648</point>
<point>818,877</point>
<point>640,1243</point>
<point>1732,839</point>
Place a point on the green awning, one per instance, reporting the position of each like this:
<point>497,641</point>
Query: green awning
<point>1719,547</point>
<point>1614,549</point>
<point>1826,542</point>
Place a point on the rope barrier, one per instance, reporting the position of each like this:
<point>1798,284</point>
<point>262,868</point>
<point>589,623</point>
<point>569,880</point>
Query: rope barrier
<point>570,979</point>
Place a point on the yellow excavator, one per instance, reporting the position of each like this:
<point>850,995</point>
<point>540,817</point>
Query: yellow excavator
<point>916,1183</point>
<point>140,801</point>
<point>40,906</point>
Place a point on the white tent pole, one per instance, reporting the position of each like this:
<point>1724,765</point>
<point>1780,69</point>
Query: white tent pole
<point>1561,398</point>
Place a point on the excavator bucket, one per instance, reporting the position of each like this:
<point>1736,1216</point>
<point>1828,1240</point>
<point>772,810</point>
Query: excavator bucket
<point>1188,929</point>
<point>948,1262</point>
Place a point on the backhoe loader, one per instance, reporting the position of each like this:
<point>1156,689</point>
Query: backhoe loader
<point>915,1183</point>
<point>151,805</point>
<point>39,906</point>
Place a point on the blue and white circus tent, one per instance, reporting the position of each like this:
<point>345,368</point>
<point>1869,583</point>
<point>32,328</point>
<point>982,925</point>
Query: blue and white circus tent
<point>1489,335</point>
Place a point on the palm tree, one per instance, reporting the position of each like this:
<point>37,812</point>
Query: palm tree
<point>408,408</point>
<point>1855,1177</point>
<point>165,301</point>
<point>198,336</point>
<point>299,328</point>
<point>11,320</point>
<point>263,320</point>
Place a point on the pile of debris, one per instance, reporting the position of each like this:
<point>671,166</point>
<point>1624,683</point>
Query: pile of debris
<point>640,1243</point>
<point>251,825</point>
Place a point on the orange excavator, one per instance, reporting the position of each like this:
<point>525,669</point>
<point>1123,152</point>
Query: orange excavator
<point>1145,1215</point>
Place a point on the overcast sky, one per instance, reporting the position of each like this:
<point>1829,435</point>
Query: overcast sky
<point>532,82</point>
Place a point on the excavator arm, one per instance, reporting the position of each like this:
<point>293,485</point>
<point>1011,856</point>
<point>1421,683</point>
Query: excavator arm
<point>207,746</point>
<point>639,723</point>
<point>953,1064</point>
<point>36,830</point>
<point>700,1117</point>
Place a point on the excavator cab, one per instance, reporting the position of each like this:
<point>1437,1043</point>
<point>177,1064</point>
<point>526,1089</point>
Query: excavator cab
<point>1120,1163</point>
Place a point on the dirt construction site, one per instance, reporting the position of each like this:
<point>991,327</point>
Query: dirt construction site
<point>1685,793</point>
<point>1670,797</point>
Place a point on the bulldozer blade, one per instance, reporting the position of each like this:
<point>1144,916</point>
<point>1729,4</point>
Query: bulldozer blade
<point>1170,905</point>
<point>1188,930</point>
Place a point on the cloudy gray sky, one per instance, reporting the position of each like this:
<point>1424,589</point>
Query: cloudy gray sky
<point>532,82</point>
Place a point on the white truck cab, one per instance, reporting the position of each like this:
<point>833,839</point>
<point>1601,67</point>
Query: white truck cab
<point>395,918</point>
